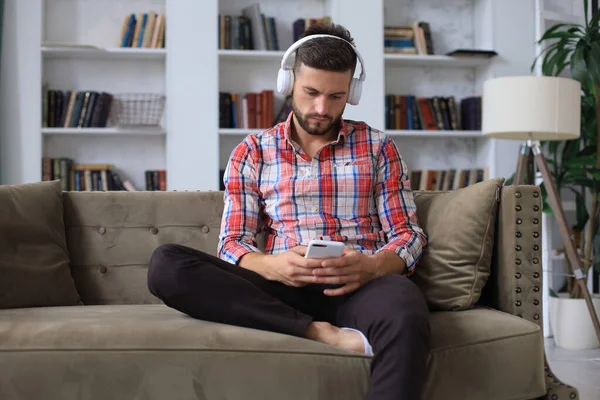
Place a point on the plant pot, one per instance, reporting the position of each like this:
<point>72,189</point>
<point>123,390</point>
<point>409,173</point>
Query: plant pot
<point>571,322</point>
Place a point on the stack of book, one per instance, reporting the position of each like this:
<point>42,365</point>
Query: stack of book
<point>144,30</point>
<point>454,178</point>
<point>75,109</point>
<point>252,30</point>
<point>408,112</point>
<point>408,39</point>
<point>83,177</point>
<point>246,111</point>
<point>156,179</point>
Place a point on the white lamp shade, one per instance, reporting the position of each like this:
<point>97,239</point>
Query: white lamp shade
<point>531,107</point>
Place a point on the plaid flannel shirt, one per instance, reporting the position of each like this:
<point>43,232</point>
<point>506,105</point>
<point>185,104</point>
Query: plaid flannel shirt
<point>355,190</point>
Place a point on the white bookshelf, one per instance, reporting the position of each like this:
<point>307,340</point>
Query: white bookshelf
<point>82,53</point>
<point>66,51</point>
<point>247,55</point>
<point>457,24</point>
<point>434,61</point>
<point>433,134</point>
<point>114,131</point>
<point>192,71</point>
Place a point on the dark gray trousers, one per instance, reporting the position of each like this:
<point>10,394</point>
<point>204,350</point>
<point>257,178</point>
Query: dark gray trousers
<point>390,311</point>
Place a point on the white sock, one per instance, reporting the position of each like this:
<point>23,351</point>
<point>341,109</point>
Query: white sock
<point>368,348</point>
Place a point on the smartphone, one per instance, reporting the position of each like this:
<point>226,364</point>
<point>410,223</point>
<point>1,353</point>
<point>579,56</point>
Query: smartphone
<point>324,249</point>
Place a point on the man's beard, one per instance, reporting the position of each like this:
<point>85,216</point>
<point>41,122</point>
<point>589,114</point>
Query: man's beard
<point>313,127</point>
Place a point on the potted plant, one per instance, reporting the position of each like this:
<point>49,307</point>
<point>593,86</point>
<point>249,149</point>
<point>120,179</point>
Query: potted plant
<point>575,166</point>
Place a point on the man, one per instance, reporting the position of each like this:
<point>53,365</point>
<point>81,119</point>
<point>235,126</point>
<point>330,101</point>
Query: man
<point>315,176</point>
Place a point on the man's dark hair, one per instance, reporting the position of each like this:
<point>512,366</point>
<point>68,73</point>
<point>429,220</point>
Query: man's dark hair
<point>328,54</point>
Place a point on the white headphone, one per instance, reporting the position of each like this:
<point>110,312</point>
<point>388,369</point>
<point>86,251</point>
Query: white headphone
<point>285,77</point>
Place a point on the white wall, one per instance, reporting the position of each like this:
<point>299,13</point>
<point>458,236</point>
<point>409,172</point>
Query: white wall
<point>20,84</point>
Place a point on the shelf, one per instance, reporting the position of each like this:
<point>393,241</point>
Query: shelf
<point>239,132</point>
<point>109,53</point>
<point>434,60</point>
<point>394,133</point>
<point>252,55</point>
<point>111,131</point>
<point>433,134</point>
<point>562,18</point>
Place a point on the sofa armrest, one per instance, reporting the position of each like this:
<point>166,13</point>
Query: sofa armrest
<point>515,282</point>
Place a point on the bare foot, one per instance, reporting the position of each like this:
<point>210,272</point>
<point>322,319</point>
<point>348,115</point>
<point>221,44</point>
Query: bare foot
<point>344,339</point>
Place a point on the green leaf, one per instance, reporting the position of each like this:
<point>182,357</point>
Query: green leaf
<point>597,252</point>
<point>578,65</point>
<point>554,61</point>
<point>555,32</point>
<point>552,293</point>
<point>582,161</point>
<point>592,60</point>
<point>594,22</point>
<point>585,12</point>
<point>582,215</point>
<point>510,180</point>
<point>595,173</point>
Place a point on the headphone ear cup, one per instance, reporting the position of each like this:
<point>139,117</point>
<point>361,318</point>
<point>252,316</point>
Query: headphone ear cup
<point>285,81</point>
<point>355,91</point>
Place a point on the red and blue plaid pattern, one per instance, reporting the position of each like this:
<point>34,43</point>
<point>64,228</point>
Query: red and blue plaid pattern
<point>355,190</point>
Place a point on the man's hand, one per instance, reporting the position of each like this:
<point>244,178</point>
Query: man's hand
<point>289,267</point>
<point>352,270</point>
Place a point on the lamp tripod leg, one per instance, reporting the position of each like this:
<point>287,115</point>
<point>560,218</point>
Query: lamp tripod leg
<point>522,163</point>
<point>572,256</point>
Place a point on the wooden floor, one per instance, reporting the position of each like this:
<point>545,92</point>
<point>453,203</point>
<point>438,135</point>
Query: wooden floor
<point>580,369</point>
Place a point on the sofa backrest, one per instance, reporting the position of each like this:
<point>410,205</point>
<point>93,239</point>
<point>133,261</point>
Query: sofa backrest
<point>111,236</point>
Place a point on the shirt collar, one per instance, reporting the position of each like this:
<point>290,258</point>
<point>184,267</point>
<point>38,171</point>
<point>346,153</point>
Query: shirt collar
<point>346,130</point>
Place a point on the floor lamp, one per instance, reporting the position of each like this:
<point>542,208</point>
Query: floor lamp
<point>534,108</point>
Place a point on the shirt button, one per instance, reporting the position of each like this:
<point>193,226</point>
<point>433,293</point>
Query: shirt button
<point>317,209</point>
<point>315,176</point>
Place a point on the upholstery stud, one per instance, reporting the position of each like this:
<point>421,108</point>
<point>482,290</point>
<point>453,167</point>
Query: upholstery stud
<point>573,395</point>
<point>536,221</point>
<point>554,396</point>
<point>536,260</point>
<point>536,274</point>
<point>102,270</point>
<point>536,194</point>
<point>518,234</point>
<point>518,303</point>
<point>536,316</point>
<point>519,221</point>
<point>536,208</point>
<point>536,247</point>
<point>517,248</point>
<point>536,302</point>
<point>536,235</point>
<point>536,288</point>
<point>518,275</point>
<point>518,208</point>
<point>518,290</point>
<point>518,261</point>
<point>102,230</point>
<point>518,195</point>
<point>154,230</point>
<point>205,229</point>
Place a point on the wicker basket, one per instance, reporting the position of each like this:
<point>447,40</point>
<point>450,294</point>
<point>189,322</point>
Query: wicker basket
<point>138,109</point>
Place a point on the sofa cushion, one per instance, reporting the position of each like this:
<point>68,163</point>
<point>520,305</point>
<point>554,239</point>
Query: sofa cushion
<point>460,226</point>
<point>34,261</point>
<point>151,351</point>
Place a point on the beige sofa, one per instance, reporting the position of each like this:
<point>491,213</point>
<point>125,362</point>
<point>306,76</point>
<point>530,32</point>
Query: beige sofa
<point>109,338</point>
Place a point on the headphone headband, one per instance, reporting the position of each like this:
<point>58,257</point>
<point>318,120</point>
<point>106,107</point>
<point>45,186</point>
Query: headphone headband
<point>285,63</point>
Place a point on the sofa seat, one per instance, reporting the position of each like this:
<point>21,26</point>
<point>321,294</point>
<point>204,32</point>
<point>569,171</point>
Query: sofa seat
<point>154,352</point>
